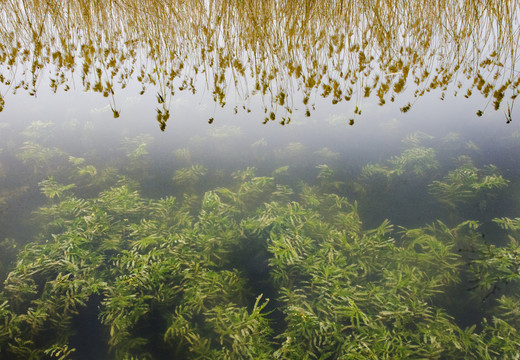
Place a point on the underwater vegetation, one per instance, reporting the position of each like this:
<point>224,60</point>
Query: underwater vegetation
<point>256,261</point>
<point>255,270</point>
<point>416,160</point>
<point>284,53</point>
<point>467,182</point>
<point>327,153</point>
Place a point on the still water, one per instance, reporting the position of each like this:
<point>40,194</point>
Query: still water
<point>349,226</point>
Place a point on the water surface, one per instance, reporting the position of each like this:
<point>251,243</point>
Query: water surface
<point>349,225</point>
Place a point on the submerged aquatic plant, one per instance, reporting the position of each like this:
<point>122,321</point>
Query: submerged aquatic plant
<point>37,129</point>
<point>189,176</point>
<point>136,148</point>
<point>417,160</point>
<point>183,154</point>
<point>467,182</point>
<point>326,153</point>
<point>263,267</point>
<point>413,164</point>
<point>41,158</point>
<point>51,189</point>
<point>256,270</point>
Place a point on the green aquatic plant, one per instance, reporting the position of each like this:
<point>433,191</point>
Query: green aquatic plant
<point>416,139</point>
<point>183,154</point>
<point>51,189</point>
<point>137,148</point>
<point>498,267</point>
<point>42,159</point>
<point>87,170</point>
<point>451,137</point>
<point>466,183</point>
<point>470,145</point>
<point>244,175</point>
<point>416,160</point>
<point>256,270</point>
<point>292,153</point>
<point>325,172</point>
<point>76,160</point>
<point>509,224</point>
<point>374,177</point>
<point>38,130</point>
<point>191,175</point>
<point>371,171</point>
<point>327,153</point>
<point>294,148</point>
<point>283,170</point>
<point>325,179</point>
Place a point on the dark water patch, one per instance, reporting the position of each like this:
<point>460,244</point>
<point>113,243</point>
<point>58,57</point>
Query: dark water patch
<point>251,257</point>
<point>90,335</point>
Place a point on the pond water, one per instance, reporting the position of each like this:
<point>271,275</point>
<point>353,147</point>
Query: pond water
<point>360,203</point>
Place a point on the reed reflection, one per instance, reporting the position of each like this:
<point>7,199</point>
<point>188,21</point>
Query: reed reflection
<point>285,52</point>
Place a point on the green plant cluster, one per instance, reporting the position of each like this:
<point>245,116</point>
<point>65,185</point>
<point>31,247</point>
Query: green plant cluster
<point>276,266</point>
<point>417,160</point>
<point>418,163</point>
<point>467,182</point>
<point>256,270</point>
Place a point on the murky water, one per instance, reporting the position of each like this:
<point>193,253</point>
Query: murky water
<point>388,170</point>
<point>360,231</point>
